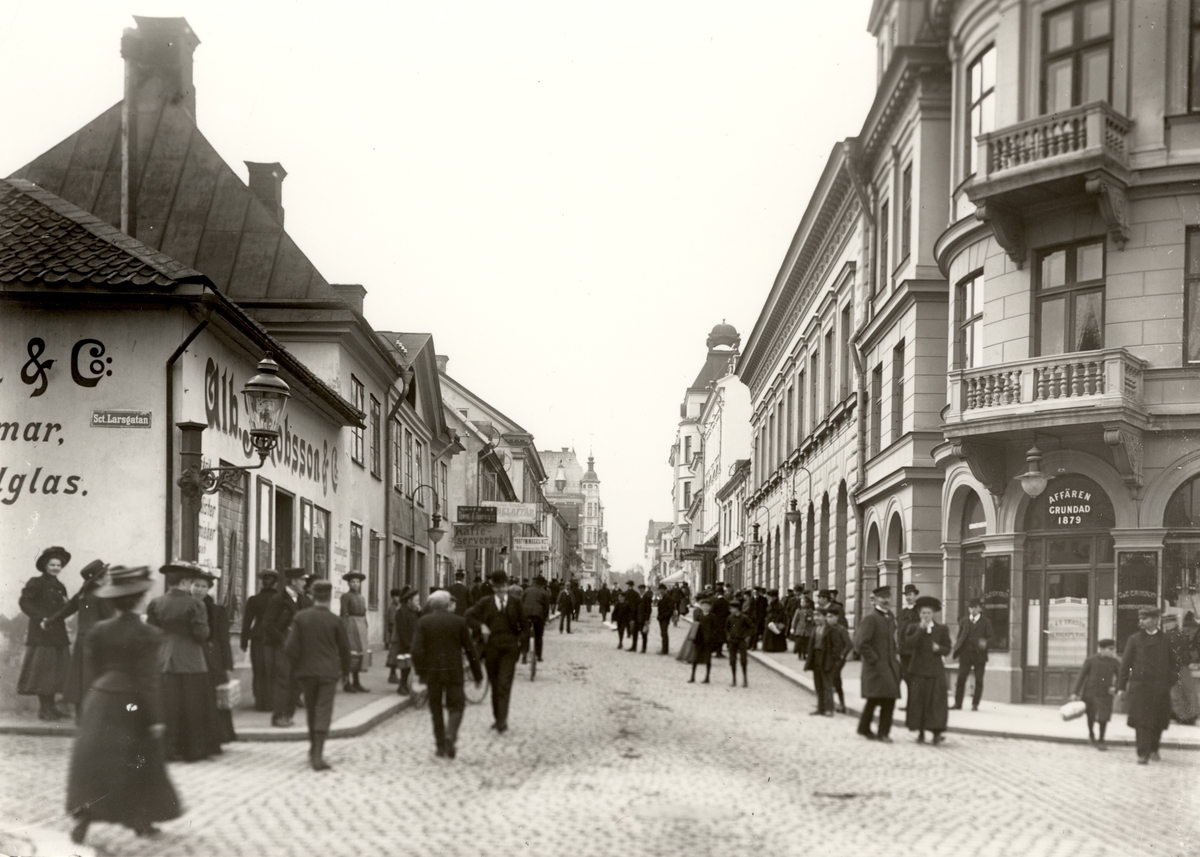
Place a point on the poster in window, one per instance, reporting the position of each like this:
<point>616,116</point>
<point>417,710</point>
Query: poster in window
<point>1137,587</point>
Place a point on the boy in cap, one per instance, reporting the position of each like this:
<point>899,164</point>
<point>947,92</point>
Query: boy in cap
<point>1095,686</point>
<point>739,631</point>
<point>319,652</point>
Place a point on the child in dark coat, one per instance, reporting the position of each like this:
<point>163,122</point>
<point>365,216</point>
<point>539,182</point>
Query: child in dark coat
<point>1095,688</point>
<point>705,641</point>
<point>738,632</point>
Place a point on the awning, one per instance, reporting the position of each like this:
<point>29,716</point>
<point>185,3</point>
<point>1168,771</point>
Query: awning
<point>677,577</point>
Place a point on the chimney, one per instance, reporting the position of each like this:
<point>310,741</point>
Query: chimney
<point>442,360</point>
<point>352,294</point>
<point>157,49</point>
<point>266,183</point>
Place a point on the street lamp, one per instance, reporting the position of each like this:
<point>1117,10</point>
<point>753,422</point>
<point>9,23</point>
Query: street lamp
<point>436,531</point>
<point>756,544</point>
<point>1033,480</point>
<point>793,514</point>
<point>560,478</point>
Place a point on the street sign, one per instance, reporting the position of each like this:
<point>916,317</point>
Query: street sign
<point>119,419</point>
<point>514,513</point>
<point>531,543</point>
<point>476,515</point>
<point>480,536</point>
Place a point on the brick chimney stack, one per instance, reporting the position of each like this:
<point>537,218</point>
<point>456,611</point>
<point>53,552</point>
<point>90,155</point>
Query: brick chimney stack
<point>266,182</point>
<point>352,294</point>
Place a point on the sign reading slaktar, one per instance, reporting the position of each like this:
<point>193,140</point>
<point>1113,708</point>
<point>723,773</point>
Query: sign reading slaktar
<point>514,513</point>
<point>480,536</point>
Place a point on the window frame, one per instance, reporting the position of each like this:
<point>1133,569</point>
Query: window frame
<point>1193,57</point>
<point>973,67</point>
<point>1075,51</point>
<point>358,399</point>
<point>906,199</point>
<point>1070,290</point>
<point>898,360</point>
<point>376,417</point>
<point>885,245</point>
<point>962,288</point>
<point>1191,281</point>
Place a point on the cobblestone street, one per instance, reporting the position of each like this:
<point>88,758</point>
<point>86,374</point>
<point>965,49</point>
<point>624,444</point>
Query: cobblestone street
<point>610,753</point>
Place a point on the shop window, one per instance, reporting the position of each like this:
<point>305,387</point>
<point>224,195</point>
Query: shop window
<point>285,528</point>
<point>1191,299</point>
<point>1181,556</point>
<point>376,412</point>
<point>306,534</point>
<point>320,543</point>
<point>981,103</point>
<point>232,549</point>
<point>264,531</point>
<point>968,309</point>
<point>1069,294</point>
<point>357,398</point>
<point>1076,55</point>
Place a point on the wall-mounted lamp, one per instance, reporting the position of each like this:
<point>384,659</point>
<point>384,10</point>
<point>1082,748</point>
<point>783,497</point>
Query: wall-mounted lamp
<point>1033,480</point>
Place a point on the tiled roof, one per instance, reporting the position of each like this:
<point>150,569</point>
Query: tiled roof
<point>44,239</point>
<point>191,205</point>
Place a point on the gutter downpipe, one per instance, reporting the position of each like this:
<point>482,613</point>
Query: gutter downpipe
<point>170,421</point>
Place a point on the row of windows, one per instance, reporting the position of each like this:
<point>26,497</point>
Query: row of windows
<point>799,409</point>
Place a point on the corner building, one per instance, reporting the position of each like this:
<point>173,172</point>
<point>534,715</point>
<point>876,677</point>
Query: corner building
<point>1072,254</point>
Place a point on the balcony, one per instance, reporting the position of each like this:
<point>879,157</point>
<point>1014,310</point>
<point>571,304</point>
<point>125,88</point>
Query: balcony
<point>1082,152</point>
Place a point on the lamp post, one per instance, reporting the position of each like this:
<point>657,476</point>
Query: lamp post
<point>756,543</point>
<point>266,396</point>
<point>435,532</point>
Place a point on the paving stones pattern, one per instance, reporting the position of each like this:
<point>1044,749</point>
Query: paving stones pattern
<point>614,753</point>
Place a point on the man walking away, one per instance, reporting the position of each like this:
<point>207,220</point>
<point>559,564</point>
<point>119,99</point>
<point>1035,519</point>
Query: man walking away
<point>666,607</point>
<point>319,652</point>
<point>876,642</point>
<point>720,612</point>
<point>566,608</point>
<point>277,623</point>
<point>536,604</point>
<point>502,622</point>
<point>645,611</point>
<point>630,599</point>
<point>441,639</point>
<point>252,637</point>
<point>604,600</point>
<point>971,649</point>
<point>1148,670</point>
<point>460,593</point>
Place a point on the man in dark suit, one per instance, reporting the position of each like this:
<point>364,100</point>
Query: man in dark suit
<point>666,609</point>
<point>629,603</point>
<point>502,620</point>
<point>459,592</point>
<point>720,613</point>
<point>319,653</point>
<point>875,640</point>
<point>906,618</point>
<point>604,600</point>
<point>1149,668</point>
<point>441,639</point>
<point>645,610</point>
<point>971,649</point>
<point>277,622</point>
<point>536,604</point>
<point>252,638</point>
<point>566,609</point>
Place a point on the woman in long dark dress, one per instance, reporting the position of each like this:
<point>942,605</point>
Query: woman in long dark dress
<point>47,647</point>
<point>90,608</point>
<point>188,706</point>
<point>217,652</point>
<point>354,618</point>
<point>927,643</point>
<point>775,640</point>
<point>117,769</point>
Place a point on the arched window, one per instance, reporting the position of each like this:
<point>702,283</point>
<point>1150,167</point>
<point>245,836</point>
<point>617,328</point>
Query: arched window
<point>1181,554</point>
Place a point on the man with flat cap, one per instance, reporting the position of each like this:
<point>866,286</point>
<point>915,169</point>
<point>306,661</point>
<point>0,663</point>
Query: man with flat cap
<point>277,622</point>
<point>441,640</point>
<point>501,620</point>
<point>252,638</point>
<point>318,651</point>
<point>875,640</point>
<point>1149,668</point>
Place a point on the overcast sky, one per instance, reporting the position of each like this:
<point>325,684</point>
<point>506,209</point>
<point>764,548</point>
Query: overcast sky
<point>567,195</point>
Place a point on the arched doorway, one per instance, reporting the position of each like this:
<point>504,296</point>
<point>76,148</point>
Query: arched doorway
<point>1069,584</point>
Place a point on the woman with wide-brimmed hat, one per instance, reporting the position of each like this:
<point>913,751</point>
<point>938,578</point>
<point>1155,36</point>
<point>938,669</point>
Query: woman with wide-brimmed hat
<point>186,687</point>
<point>91,609</point>
<point>117,771</point>
<point>927,643</point>
<point>354,618</point>
<point>47,647</point>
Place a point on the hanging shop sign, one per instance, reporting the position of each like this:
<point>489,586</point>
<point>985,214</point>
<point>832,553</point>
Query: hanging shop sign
<point>476,515</point>
<point>514,513</point>
<point>480,536</point>
<point>531,543</point>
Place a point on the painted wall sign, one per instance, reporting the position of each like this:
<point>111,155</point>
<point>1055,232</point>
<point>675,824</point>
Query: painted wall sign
<point>121,419</point>
<point>1071,502</point>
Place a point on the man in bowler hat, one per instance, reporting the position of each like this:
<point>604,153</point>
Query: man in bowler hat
<point>439,643</point>
<point>252,638</point>
<point>1149,668</point>
<point>501,620</point>
<point>875,640</point>
<point>319,653</point>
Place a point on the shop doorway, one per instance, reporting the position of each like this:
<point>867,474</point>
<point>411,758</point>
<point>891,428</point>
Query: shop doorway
<point>1069,587</point>
<point>285,527</point>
